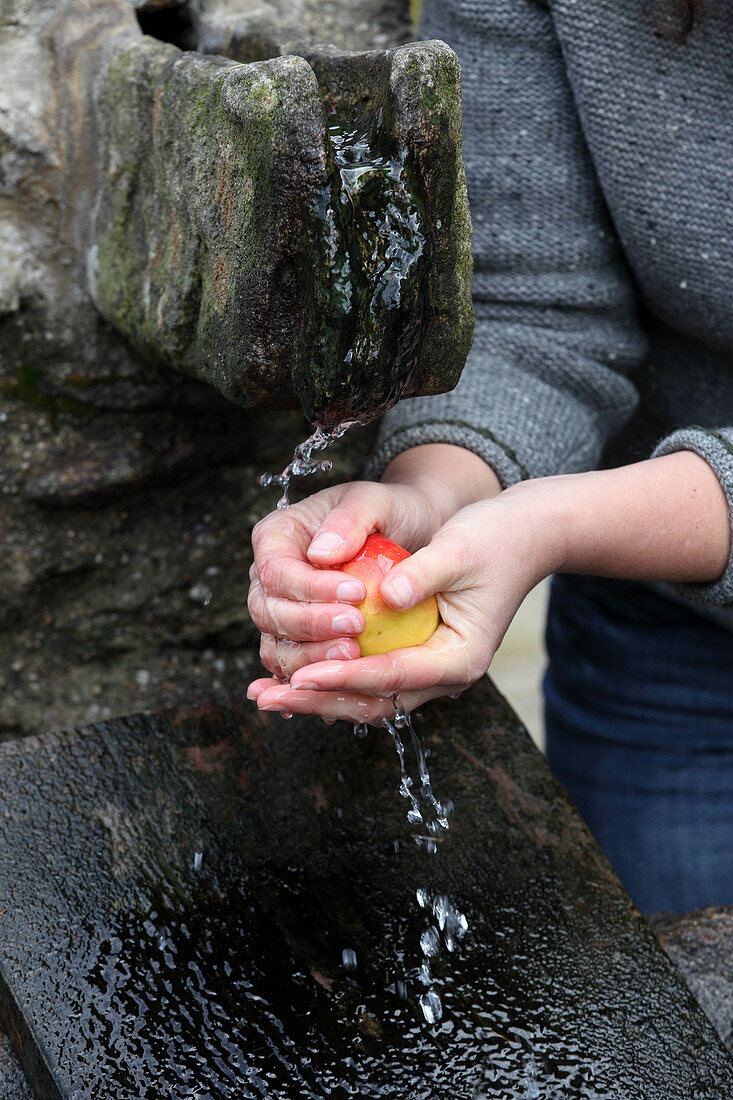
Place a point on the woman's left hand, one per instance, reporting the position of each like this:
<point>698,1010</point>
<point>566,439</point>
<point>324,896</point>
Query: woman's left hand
<point>481,564</point>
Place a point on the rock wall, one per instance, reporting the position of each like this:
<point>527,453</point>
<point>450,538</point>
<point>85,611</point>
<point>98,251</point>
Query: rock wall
<point>127,491</point>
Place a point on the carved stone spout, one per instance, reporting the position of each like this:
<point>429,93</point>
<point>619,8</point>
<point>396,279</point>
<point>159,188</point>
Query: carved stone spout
<point>285,229</point>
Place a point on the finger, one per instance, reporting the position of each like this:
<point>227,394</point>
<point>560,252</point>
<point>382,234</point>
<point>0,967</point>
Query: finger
<point>282,570</point>
<point>283,657</point>
<point>447,564</point>
<point>255,689</point>
<point>347,706</point>
<point>302,622</point>
<point>269,656</point>
<point>290,577</point>
<point>443,661</point>
<point>365,507</point>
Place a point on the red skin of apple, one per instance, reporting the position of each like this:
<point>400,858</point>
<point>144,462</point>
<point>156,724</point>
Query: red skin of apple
<point>387,628</point>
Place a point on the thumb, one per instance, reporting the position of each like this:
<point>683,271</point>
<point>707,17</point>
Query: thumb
<point>364,507</point>
<point>433,569</point>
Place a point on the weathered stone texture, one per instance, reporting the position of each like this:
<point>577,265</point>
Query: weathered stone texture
<point>200,253</point>
<point>700,944</point>
<point>115,527</point>
<point>127,492</point>
<point>252,29</point>
<point>174,190</point>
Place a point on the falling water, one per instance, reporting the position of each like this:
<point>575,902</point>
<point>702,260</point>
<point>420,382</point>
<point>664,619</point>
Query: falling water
<point>428,819</point>
<point>368,320</point>
<point>303,464</point>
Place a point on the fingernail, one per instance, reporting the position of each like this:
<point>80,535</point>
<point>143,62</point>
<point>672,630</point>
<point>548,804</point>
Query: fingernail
<point>327,543</point>
<point>346,624</point>
<point>351,591</point>
<point>303,685</point>
<point>273,706</point>
<point>338,653</point>
<point>400,591</point>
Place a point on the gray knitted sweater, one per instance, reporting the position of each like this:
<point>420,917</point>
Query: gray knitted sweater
<point>599,159</point>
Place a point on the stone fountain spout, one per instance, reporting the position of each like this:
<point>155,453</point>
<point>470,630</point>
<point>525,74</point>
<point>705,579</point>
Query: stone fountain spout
<point>290,230</point>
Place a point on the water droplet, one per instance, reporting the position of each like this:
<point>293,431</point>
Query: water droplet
<point>431,1007</point>
<point>430,941</point>
<point>348,958</point>
<point>303,464</point>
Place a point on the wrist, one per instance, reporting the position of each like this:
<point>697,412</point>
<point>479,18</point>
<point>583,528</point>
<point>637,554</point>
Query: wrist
<point>541,511</point>
<point>663,519</point>
<point>449,477</point>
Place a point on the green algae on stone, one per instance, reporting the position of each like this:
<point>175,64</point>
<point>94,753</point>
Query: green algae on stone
<point>200,244</point>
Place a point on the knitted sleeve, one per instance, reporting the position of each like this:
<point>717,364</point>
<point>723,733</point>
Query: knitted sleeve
<point>715,445</point>
<point>545,384</point>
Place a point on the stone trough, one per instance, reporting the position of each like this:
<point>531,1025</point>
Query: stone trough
<point>180,893</point>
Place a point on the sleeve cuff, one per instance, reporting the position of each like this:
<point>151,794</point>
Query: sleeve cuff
<point>715,445</point>
<point>393,442</point>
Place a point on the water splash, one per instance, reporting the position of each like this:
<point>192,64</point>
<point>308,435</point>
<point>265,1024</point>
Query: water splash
<point>303,464</point>
<point>425,812</point>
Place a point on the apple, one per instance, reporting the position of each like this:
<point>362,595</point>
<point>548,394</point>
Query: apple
<point>386,628</point>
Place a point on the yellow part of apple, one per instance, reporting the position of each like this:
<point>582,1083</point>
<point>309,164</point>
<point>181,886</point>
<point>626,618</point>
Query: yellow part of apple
<point>387,629</point>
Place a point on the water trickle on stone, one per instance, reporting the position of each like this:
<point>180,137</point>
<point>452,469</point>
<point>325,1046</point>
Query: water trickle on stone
<point>362,339</point>
<point>348,958</point>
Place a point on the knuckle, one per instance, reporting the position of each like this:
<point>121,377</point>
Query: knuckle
<point>260,530</point>
<point>268,574</point>
<point>287,650</point>
<point>388,679</point>
<point>268,655</point>
<point>252,603</point>
<point>306,626</point>
<point>356,503</point>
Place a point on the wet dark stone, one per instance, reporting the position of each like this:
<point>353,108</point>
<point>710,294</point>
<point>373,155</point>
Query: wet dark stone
<point>179,891</point>
<point>700,944</point>
<point>228,243</point>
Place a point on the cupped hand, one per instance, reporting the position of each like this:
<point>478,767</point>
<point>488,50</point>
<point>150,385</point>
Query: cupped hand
<point>304,612</point>
<point>481,564</point>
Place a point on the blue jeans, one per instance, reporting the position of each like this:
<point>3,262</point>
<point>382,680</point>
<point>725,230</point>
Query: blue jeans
<point>639,714</point>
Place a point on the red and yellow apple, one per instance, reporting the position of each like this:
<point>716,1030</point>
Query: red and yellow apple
<point>387,628</point>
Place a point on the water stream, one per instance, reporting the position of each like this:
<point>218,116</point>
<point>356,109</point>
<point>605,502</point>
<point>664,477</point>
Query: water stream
<point>303,464</point>
<point>428,819</point>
